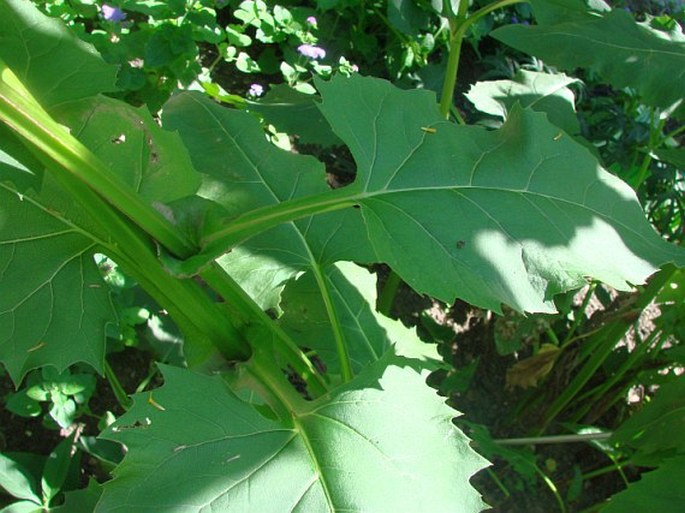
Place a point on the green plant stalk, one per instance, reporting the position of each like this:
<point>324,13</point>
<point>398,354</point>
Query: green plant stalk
<point>119,393</point>
<point>199,318</point>
<point>603,343</point>
<point>552,487</point>
<point>554,439</point>
<point>227,288</point>
<point>387,295</point>
<point>615,466</point>
<point>261,219</point>
<point>188,305</point>
<point>191,308</point>
<point>595,395</point>
<point>458,27</point>
<point>22,112</point>
<point>338,335</point>
<point>498,482</point>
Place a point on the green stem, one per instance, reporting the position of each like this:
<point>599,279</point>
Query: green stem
<point>458,27</point>
<point>200,319</point>
<point>553,488</point>
<point>387,296</point>
<point>555,439</point>
<point>498,482</point>
<point>338,335</point>
<point>22,112</point>
<point>261,219</point>
<point>250,311</point>
<point>616,466</point>
<point>119,393</point>
<point>594,396</point>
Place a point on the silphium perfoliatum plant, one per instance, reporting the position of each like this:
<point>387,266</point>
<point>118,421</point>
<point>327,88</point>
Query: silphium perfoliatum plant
<point>219,227</point>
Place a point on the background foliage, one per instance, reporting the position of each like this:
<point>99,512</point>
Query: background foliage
<point>184,187</point>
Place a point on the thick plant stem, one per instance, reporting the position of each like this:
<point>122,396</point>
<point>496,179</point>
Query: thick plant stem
<point>258,221</point>
<point>22,112</point>
<point>250,311</point>
<point>458,27</point>
<point>196,314</point>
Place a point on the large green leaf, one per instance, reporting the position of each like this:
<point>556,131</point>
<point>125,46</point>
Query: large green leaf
<point>48,57</point>
<point>210,451</point>
<point>660,490</point>
<point>514,215</point>
<point>54,304</point>
<point>621,51</point>
<point>542,92</point>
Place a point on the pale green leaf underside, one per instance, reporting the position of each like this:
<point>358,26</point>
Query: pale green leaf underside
<point>54,304</point>
<point>624,53</point>
<point>210,452</point>
<point>542,92</point>
<point>48,57</point>
<point>514,215</point>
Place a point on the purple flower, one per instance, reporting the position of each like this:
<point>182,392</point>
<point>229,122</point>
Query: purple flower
<point>255,90</point>
<point>112,13</point>
<point>311,51</point>
<point>311,20</point>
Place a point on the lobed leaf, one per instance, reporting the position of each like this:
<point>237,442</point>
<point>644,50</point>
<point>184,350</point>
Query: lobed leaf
<point>621,51</point>
<point>515,215</point>
<point>242,171</point>
<point>542,92</point>
<point>54,305</point>
<point>342,454</point>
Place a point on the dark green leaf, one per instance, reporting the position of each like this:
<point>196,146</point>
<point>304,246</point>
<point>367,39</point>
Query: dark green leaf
<point>296,114</point>
<point>658,430</point>
<point>56,468</point>
<point>660,491</point>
